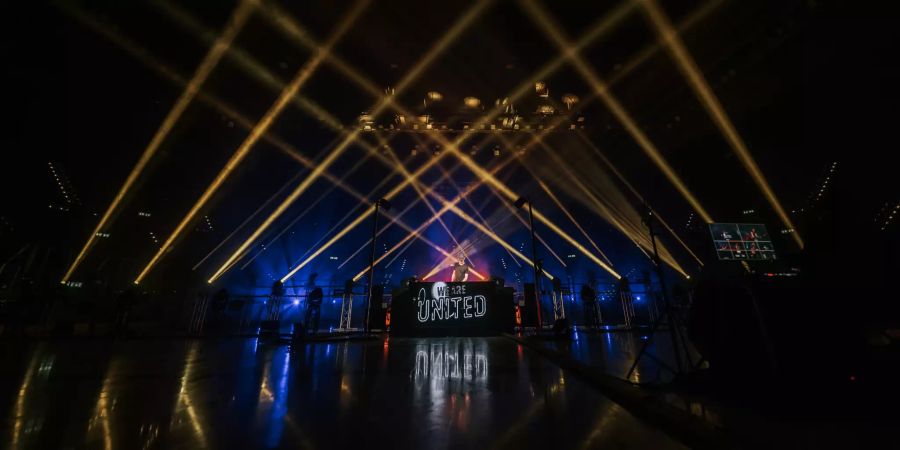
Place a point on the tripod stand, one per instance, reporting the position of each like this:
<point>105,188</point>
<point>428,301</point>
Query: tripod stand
<point>672,320</point>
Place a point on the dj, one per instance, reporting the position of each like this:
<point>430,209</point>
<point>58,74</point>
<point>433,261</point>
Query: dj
<point>460,269</point>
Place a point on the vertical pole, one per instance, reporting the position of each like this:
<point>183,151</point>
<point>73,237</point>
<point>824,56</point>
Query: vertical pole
<point>537,271</point>
<point>662,287</point>
<point>371,266</point>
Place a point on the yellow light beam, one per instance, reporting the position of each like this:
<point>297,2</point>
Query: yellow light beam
<point>266,77</point>
<point>643,56</point>
<point>303,75</point>
<point>448,206</point>
<point>605,209</point>
<point>485,175</point>
<point>293,30</point>
<point>538,138</point>
<point>492,181</point>
<point>617,218</point>
<point>248,219</point>
<point>571,218</point>
<point>371,210</point>
<point>438,48</point>
<point>288,201</point>
<point>248,64</point>
<point>434,270</point>
<point>445,175</point>
<point>440,250</point>
<point>361,199</point>
<point>210,100</point>
<point>554,32</point>
<point>635,192</point>
<point>441,265</point>
<point>451,206</point>
<point>697,81</point>
<point>633,63</point>
<point>589,37</point>
<point>409,206</point>
<point>174,77</point>
<point>637,60</point>
<point>418,189</point>
<point>535,140</point>
<point>512,210</point>
<point>468,202</point>
<point>235,23</point>
<point>520,217</point>
<point>166,72</point>
<point>464,194</point>
<point>612,215</point>
<point>392,219</point>
<point>606,24</point>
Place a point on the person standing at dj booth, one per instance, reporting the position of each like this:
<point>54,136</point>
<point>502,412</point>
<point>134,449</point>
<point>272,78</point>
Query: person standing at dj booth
<point>460,269</point>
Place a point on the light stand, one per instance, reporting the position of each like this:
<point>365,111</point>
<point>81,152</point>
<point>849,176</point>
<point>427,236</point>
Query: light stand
<point>387,206</point>
<point>537,270</point>
<point>674,323</point>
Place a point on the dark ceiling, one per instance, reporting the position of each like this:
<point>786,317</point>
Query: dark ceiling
<point>84,85</point>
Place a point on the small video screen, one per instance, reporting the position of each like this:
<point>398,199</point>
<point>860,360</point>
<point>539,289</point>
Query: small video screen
<point>742,242</point>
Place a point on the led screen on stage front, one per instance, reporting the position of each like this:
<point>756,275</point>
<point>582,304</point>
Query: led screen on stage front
<point>452,309</point>
<point>742,242</point>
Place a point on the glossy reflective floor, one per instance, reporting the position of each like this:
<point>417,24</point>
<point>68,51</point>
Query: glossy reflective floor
<point>613,352</point>
<point>402,393</point>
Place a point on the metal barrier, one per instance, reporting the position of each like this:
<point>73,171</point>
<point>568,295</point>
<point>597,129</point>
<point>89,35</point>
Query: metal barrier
<point>637,307</point>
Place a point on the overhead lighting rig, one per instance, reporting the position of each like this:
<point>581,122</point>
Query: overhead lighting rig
<point>438,115</point>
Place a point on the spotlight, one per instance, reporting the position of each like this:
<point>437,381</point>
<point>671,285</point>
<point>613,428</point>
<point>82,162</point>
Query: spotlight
<point>546,110</point>
<point>366,122</point>
<point>296,302</point>
<point>472,102</point>
<point>435,96</point>
<point>569,100</point>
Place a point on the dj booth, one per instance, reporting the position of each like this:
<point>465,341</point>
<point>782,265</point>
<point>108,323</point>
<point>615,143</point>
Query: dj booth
<point>452,309</point>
